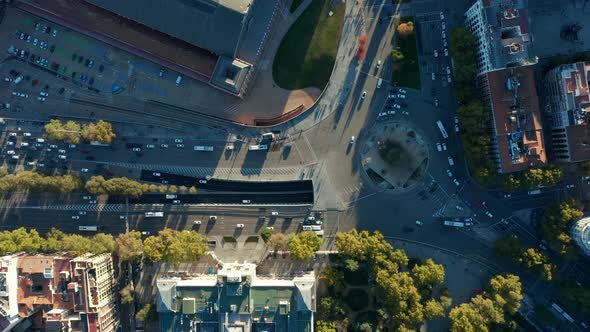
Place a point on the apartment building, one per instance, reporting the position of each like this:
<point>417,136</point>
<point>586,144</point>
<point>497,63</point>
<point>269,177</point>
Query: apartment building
<point>57,293</point>
<point>236,299</point>
<point>569,106</point>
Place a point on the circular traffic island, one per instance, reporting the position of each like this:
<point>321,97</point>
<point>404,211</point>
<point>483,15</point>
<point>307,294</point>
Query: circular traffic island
<point>395,157</point>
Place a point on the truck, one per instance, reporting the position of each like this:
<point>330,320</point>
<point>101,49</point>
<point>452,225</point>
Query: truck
<point>88,228</point>
<point>454,224</point>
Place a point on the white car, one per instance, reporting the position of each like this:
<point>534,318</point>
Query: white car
<point>435,53</point>
<point>419,223</point>
<point>76,217</point>
<point>456,118</point>
<point>150,146</point>
<point>382,114</point>
<point>444,26</point>
<point>446,52</point>
<point>398,106</point>
<point>456,182</point>
<point>378,64</point>
<point>451,161</point>
<point>457,129</point>
<point>197,222</point>
<point>180,146</point>
<point>176,201</point>
<point>459,208</point>
<point>405,113</point>
<point>86,197</point>
<point>61,151</point>
<point>62,157</point>
<point>136,149</point>
<point>15,157</point>
<point>27,134</point>
<point>392,112</point>
<point>442,16</point>
<point>438,147</point>
<point>444,146</point>
<point>435,102</point>
<point>351,140</point>
<point>178,140</point>
<point>274,213</point>
<point>53,146</point>
<point>11,134</point>
<point>72,146</point>
<point>82,213</point>
<point>156,174</point>
<point>507,195</point>
<point>165,146</point>
<point>448,70</point>
<point>245,201</point>
<point>401,91</point>
<point>445,43</point>
<point>24,144</point>
<point>10,143</point>
<point>92,202</point>
<point>449,79</point>
<point>84,170</point>
<point>489,214</point>
<point>203,181</point>
<point>449,173</point>
<point>240,226</point>
<point>569,186</point>
<point>399,95</point>
<point>11,152</point>
<point>146,233</point>
<point>30,163</point>
<point>122,217</point>
<point>364,95</point>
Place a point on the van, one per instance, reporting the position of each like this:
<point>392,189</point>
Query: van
<point>379,83</point>
<point>178,80</point>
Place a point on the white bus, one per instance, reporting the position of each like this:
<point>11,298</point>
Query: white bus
<point>454,224</point>
<point>442,129</point>
<point>258,147</point>
<point>154,214</point>
<point>88,228</point>
<point>203,148</point>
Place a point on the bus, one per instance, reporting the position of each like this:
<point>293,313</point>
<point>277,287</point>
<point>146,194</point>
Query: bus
<point>154,214</point>
<point>442,129</point>
<point>203,148</point>
<point>258,147</point>
<point>88,228</point>
<point>454,224</point>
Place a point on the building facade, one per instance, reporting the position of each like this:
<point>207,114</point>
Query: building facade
<point>568,102</point>
<point>581,235</point>
<point>57,293</point>
<point>236,299</point>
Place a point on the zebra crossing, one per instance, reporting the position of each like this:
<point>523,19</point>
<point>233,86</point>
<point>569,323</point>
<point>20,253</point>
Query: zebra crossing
<point>233,108</point>
<point>213,172</point>
<point>438,197</point>
<point>85,207</point>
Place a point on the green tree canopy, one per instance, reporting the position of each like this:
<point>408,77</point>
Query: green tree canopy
<point>304,245</point>
<point>175,247</point>
<point>429,274</point>
<point>97,185</point>
<point>555,225</point>
<point>102,132</point>
<point>129,246</point>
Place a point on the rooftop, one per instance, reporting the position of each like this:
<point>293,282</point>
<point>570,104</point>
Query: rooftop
<point>578,137</point>
<point>517,121</point>
<point>575,82</point>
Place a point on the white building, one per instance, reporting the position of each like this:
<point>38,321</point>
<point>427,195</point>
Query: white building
<point>9,287</point>
<point>501,30</point>
<point>581,235</point>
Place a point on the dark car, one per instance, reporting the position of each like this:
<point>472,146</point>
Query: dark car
<point>74,75</point>
<point>91,81</point>
<point>101,68</point>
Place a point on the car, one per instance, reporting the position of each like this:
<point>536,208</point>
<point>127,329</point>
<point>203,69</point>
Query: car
<point>400,96</point>
<point>212,218</point>
<point>457,129</point>
<point>445,43</point>
<point>72,146</point>
<point>157,174</point>
<point>351,140</point>
<point>30,163</point>
<point>449,79</point>
<point>364,94</point>
<point>438,147</point>
<point>444,146</point>
<point>62,157</point>
<point>274,213</point>
<point>396,106</point>
<point>203,181</point>
<point>39,145</point>
<point>456,182</point>
<point>54,34</point>
<point>150,146</point>
<point>442,16</point>
<point>451,161</point>
<point>542,246</point>
<point>76,217</point>
<point>449,173</point>
<point>86,197</point>
<point>178,140</point>
<point>405,113</point>
<point>136,149</point>
<point>61,151</point>
<point>145,233</point>
<point>443,25</point>
<point>382,114</point>
<point>14,157</point>
<point>53,146</point>
<point>24,144</point>
<point>12,134</point>
<point>10,143</point>
<point>402,91</point>
<point>446,51</point>
<point>82,213</point>
<point>419,223</point>
<point>165,146</point>
<point>489,214</point>
<point>176,201</point>
<point>36,26</point>
<point>35,42</point>
<point>92,202</point>
<point>84,170</point>
<point>180,146</point>
<point>448,70</point>
<point>10,152</point>
<point>240,226</point>
<point>435,53</point>
<point>443,34</point>
<point>392,112</point>
<point>161,73</point>
<point>459,208</point>
<point>270,228</point>
<point>507,195</point>
<point>378,64</point>
<point>569,186</point>
<point>456,119</point>
<point>90,63</point>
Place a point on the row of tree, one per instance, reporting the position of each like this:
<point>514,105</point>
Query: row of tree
<point>302,246</point>
<point>531,259</point>
<point>98,185</point>
<point>74,132</point>
<point>532,178</point>
<point>556,223</point>
<point>55,241</point>
<point>28,180</point>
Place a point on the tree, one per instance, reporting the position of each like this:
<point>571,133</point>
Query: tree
<point>405,29</point>
<point>400,297</point>
<point>465,318</point>
<point>175,247</point>
<point>397,55</point>
<point>266,234</point>
<point>97,185</point>
<point>506,292</point>
<point>538,263</point>
<point>333,277</point>
<point>129,246</point>
<point>429,274</point>
<point>304,245</point>
<point>332,308</point>
<point>147,313</point>
<point>278,241</point>
<point>364,327</point>
<point>102,132</point>
<point>512,182</point>
<point>126,295</point>
<point>72,132</point>
<point>555,225</point>
<point>433,309</point>
<point>325,326</point>
<point>21,240</point>
<point>546,177</point>
<point>351,265</point>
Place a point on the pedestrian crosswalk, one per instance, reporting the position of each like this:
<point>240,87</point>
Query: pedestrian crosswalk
<point>85,207</point>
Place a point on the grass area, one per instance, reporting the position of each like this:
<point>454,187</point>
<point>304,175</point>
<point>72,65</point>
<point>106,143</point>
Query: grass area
<point>406,72</point>
<point>294,5</point>
<point>307,52</point>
